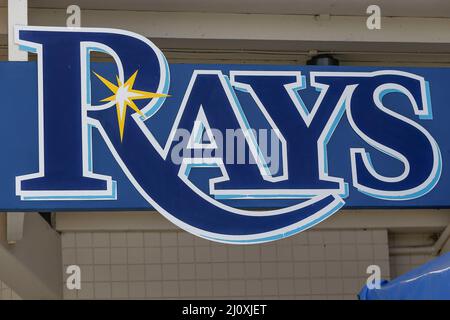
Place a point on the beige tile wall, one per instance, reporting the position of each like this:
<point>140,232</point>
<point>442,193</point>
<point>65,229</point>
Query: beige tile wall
<point>146,265</point>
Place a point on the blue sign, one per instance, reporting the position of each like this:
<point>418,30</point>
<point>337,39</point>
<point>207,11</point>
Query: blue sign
<point>231,153</point>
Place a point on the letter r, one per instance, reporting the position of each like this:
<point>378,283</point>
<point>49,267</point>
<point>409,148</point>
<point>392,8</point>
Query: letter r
<point>64,96</point>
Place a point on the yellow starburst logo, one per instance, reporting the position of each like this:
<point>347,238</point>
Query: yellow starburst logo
<point>124,96</point>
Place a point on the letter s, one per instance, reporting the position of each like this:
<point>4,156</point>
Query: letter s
<point>395,135</point>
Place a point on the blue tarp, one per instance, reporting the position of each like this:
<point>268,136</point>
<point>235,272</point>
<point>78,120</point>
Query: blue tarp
<point>430,281</point>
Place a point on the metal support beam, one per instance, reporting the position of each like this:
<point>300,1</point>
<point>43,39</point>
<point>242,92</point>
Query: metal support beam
<point>184,29</point>
<point>14,226</point>
<point>446,247</point>
<point>196,25</point>
<point>440,246</point>
<point>17,15</point>
<point>33,266</point>
<point>423,219</point>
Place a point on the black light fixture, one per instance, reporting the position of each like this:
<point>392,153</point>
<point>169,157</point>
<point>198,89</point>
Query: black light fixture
<point>323,60</point>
